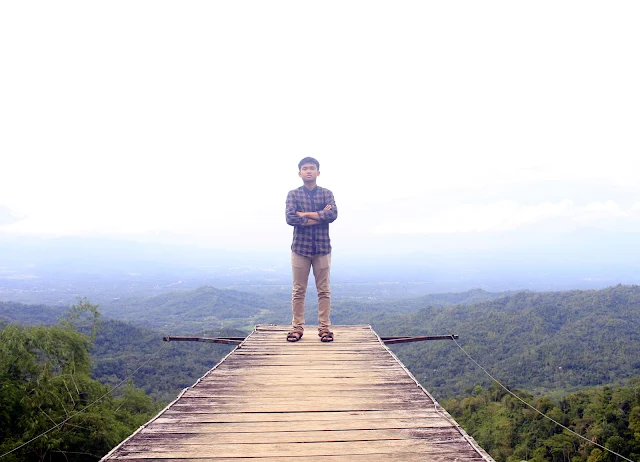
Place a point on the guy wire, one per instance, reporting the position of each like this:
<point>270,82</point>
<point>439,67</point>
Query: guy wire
<point>164,344</point>
<point>530,406</point>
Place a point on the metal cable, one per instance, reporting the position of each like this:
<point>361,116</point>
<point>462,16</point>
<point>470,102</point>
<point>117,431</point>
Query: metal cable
<point>530,406</point>
<point>86,407</point>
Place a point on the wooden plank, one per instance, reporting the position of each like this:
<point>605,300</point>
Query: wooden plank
<point>313,362</point>
<point>291,407</point>
<point>309,401</point>
<point>322,366</point>
<point>275,382</point>
<point>350,360</point>
<point>313,339</point>
<point>336,348</point>
<point>296,449</point>
<point>318,371</point>
<point>301,393</point>
<point>415,415</point>
<point>326,426</point>
<point>303,376</point>
<point>387,457</point>
<point>433,435</point>
<point>273,387</point>
<point>271,383</point>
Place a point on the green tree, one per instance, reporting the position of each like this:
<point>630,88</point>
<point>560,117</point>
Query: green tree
<point>511,431</point>
<point>49,400</point>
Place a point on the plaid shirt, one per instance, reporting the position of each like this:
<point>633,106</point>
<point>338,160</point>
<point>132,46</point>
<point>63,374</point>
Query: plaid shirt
<point>311,240</point>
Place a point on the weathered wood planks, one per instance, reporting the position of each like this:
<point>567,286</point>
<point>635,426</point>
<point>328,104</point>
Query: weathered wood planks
<point>346,400</point>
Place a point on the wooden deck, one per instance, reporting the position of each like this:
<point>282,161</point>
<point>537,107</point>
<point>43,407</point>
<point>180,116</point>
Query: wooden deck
<point>269,399</point>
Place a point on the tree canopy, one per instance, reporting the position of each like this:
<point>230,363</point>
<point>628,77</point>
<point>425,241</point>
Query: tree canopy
<point>50,401</point>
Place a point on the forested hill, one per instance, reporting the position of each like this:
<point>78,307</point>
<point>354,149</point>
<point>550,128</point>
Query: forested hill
<point>29,314</point>
<point>120,348</point>
<point>544,344</point>
<point>548,342</point>
<point>541,342</point>
<point>196,310</point>
<point>193,311</point>
<point>512,432</point>
<point>167,367</point>
<point>355,312</point>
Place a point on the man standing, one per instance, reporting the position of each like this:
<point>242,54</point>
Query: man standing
<point>310,209</point>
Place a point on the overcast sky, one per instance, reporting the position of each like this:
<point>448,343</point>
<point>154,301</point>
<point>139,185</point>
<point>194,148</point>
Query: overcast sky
<point>185,121</point>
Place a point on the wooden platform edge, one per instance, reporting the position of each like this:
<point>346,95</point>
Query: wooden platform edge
<point>438,408</point>
<point>142,427</point>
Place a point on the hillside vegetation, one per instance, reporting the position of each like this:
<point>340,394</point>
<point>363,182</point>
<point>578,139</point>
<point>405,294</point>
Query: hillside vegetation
<point>120,348</point>
<point>557,348</point>
<point>541,342</point>
<point>208,308</point>
<point>512,432</point>
<point>50,407</point>
<point>549,342</point>
<point>192,311</point>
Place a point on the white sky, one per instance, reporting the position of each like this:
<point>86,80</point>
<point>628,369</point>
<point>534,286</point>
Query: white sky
<point>185,121</point>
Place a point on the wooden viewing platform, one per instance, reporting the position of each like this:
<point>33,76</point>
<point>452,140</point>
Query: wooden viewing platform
<point>269,399</point>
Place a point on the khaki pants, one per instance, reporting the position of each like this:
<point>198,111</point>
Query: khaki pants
<point>300,266</point>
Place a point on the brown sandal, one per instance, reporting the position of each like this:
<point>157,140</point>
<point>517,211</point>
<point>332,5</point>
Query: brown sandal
<point>294,336</point>
<point>326,337</point>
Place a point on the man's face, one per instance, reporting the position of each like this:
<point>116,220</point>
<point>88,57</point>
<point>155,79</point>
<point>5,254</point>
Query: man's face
<point>309,172</point>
